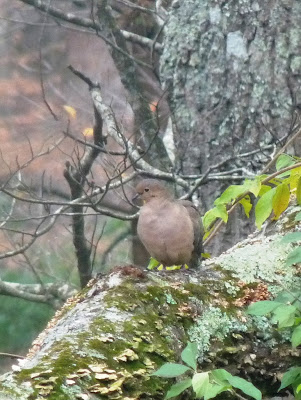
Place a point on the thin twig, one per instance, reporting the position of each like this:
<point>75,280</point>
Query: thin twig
<point>281,151</point>
<point>11,355</point>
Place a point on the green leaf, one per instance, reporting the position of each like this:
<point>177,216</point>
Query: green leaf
<point>298,191</point>
<point>291,237</point>
<point>283,175</point>
<point>189,355</point>
<point>284,315</point>
<point>209,217</point>
<point>263,307</point>
<point>264,207</point>
<point>200,383</point>
<point>247,205</point>
<point>220,375</point>
<point>222,212</point>
<point>153,263</point>
<point>264,189</point>
<point>281,199</point>
<point>245,386</point>
<point>298,217</point>
<point>293,296</point>
<point>297,395</point>
<point>253,185</point>
<point>214,389</point>
<point>294,257</point>
<point>231,193</point>
<point>290,377</point>
<point>178,388</point>
<point>171,370</point>
<point>216,212</point>
<point>296,336</point>
<point>284,160</point>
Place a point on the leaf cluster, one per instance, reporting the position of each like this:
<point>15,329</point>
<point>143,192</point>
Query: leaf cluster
<point>205,385</point>
<point>271,191</point>
<point>285,310</point>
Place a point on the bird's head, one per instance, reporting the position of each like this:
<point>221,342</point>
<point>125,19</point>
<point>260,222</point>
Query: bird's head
<point>149,189</point>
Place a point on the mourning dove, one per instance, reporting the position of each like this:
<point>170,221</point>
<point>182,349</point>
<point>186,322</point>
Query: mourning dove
<point>170,229</point>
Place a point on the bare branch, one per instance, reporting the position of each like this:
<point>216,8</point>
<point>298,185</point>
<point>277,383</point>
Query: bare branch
<point>136,159</point>
<point>80,21</point>
<point>143,41</point>
<point>136,7</point>
<point>11,355</point>
<point>49,293</point>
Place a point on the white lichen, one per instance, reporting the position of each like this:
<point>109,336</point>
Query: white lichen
<point>236,45</point>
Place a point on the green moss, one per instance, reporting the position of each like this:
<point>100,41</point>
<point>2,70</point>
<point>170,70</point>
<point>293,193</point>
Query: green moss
<point>200,291</point>
<point>102,325</point>
<point>116,297</point>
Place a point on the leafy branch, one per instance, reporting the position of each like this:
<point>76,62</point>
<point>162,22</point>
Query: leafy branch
<point>205,385</point>
<point>285,310</point>
<point>273,192</point>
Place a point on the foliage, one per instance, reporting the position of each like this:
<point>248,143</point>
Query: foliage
<point>285,310</point>
<point>205,385</point>
<point>20,321</point>
<point>273,194</point>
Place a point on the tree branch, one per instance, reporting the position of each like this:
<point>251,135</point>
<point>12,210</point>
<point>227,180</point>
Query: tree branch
<point>49,293</point>
<point>83,22</point>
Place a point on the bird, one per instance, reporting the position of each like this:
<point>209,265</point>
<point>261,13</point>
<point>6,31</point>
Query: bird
<point>170,229</point>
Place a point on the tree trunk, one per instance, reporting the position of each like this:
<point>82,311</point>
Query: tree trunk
<point>106,340</point>
<point>233,73</point>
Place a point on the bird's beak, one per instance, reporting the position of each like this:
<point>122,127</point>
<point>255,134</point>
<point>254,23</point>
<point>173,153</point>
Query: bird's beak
<point>137,200</point>
<point>136,197</point>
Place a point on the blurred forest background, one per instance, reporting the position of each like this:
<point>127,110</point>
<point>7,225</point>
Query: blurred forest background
<point>212,91</point>
<point>27,126</point>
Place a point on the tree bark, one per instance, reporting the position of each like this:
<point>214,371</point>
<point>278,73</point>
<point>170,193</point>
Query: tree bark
<point>233,73</point>
<point>106,340</point>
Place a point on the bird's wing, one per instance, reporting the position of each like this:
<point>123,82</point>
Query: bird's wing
<point>197,228</point>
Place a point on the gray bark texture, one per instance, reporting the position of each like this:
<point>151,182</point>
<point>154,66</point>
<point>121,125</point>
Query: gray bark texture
<point>108,339</point>
<point>232,70</point>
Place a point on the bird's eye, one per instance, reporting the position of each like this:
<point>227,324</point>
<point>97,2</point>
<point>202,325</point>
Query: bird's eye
<point>146,189</point>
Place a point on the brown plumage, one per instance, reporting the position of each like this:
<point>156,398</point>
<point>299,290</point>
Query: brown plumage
<point>170,229</point>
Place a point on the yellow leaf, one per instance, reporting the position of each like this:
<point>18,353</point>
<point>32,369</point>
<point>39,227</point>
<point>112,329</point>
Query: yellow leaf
<point>88,132</point>
<point>206,255</point>
<point>247,205</point>
<point>299,191</point>
<point>70,110</point>
<point>294,178</point>
<point>292,181</point>
<point>281,200</point>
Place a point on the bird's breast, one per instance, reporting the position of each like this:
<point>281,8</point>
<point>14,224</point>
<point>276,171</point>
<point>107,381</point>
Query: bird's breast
<point>167,232</point>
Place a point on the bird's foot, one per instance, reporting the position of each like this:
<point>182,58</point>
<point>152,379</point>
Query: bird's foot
<point>174,267</point>
<point>153,263</point>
